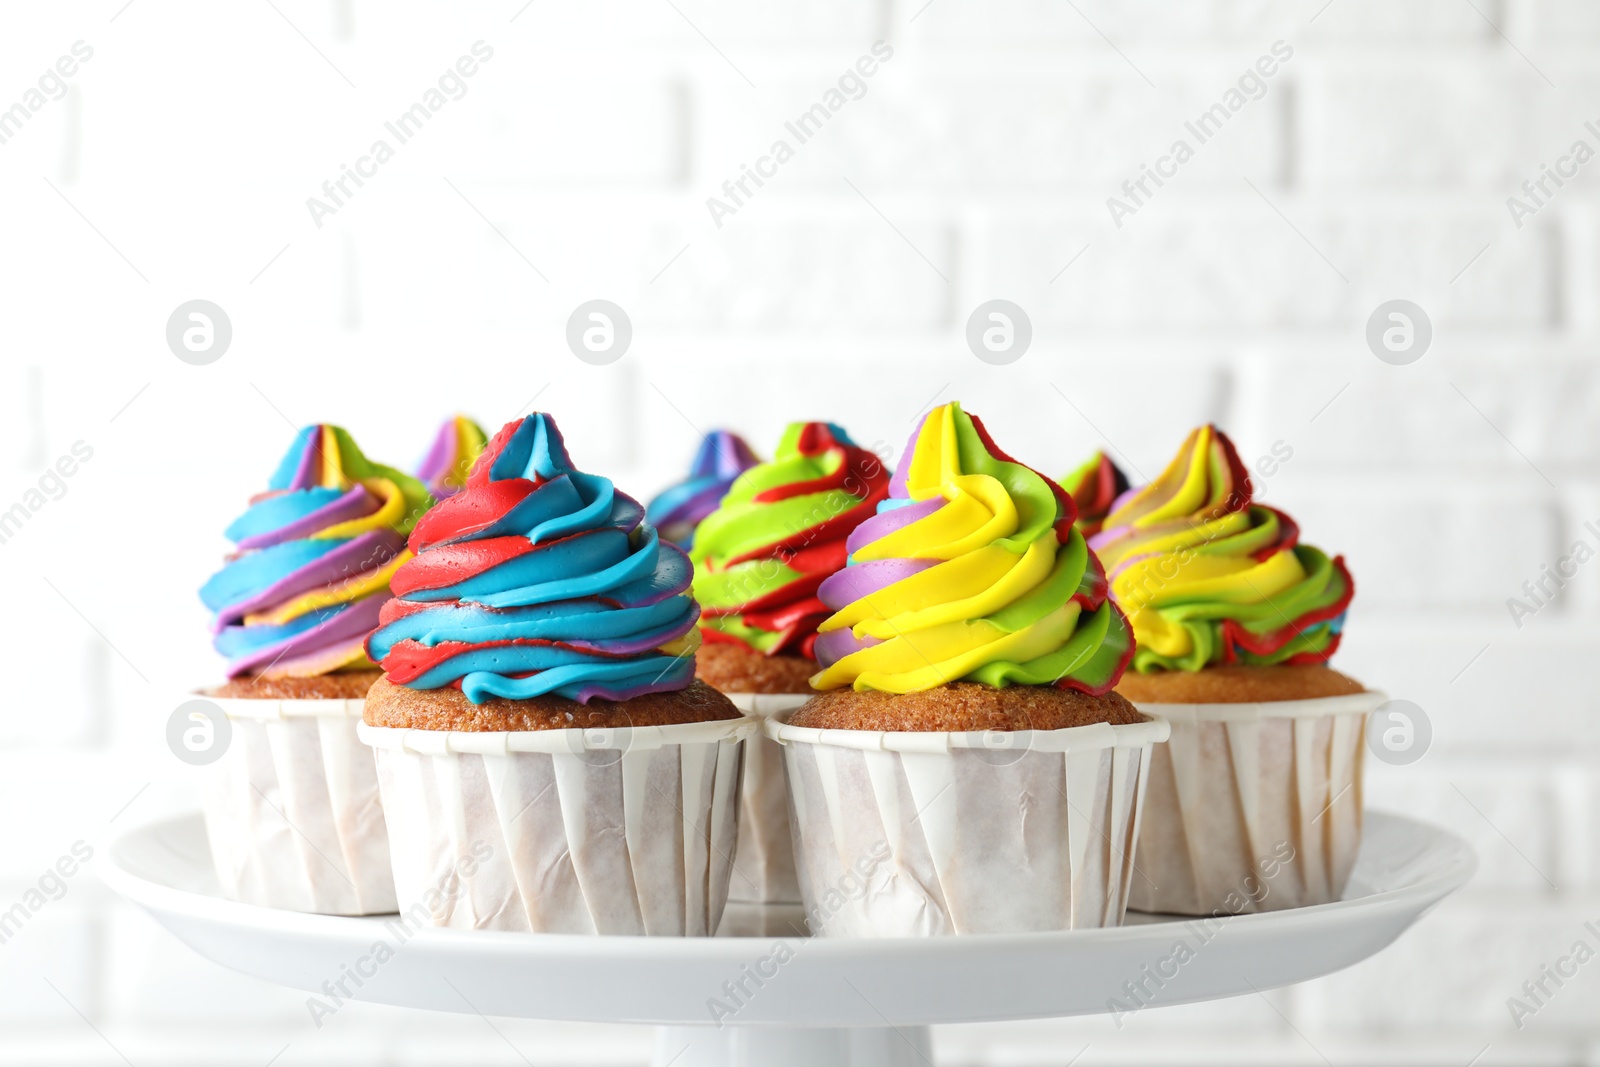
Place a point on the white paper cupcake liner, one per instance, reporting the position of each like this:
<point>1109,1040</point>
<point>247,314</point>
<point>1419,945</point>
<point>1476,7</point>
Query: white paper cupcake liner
<point>763,862</point>
<point>624,831</point>
<point>913,834</point>
<point>292,809</point>
<point>1253,807</point>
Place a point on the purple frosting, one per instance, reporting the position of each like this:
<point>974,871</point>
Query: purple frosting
<point>304,478</point>
<point>356,504</point>
<point>887,522</point>
<point>701,504</point>
<point>356,555</point>
<point>897,483</point>
<point>356,621</point>
<point>594,691</point>
<point>443,447</point>
<point>835,645</point>
<point>861,580</point>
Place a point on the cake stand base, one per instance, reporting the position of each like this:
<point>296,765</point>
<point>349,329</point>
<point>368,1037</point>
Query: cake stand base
<point>823,1002</point>
<point>779,1046</point>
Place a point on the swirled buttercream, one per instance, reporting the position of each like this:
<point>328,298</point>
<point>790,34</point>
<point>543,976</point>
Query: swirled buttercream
<point>456,447</point>
<point>537,578</point>
<point>678,509</point>
<point>778,534</point>
<point>1208,576</point>
<point>1095,487</point>
<point>971,570</point>
<point>315,555</point>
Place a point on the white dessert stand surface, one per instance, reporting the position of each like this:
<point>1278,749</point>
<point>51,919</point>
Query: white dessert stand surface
<point>841,1003</point>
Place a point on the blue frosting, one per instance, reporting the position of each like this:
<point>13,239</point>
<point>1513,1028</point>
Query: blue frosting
<point>588,606</point>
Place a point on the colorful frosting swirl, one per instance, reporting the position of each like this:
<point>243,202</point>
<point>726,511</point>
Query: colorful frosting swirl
<point>315,556</point>
<point>535,579</point>
<point>972,571</point>
<point>456,448</point>
<point>1095,487</point>
<point>780,531</point>
<point>677,510</point>
<point>1207,576</point>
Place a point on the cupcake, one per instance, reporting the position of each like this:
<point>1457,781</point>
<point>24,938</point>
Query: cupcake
<point>778,534</point>
<point>547,760</point>
<point>1255,803</point>
<point>455,449</point>
<point>967,767</point>
<point>1095,487</point>
<point>292,808</point>
<point>677,510</point>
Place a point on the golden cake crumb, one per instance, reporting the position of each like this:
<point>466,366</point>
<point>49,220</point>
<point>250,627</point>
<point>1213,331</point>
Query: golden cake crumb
<point>448,708</point>
<point>962,706</point>
<point>736,669</point>
<point>1237,683</point>
<point>341,685</point>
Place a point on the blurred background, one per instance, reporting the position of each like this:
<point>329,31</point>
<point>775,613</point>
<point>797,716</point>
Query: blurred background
<point>977,162</point>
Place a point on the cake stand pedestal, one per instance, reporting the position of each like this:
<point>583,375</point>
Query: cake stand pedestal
<point>758,995</point>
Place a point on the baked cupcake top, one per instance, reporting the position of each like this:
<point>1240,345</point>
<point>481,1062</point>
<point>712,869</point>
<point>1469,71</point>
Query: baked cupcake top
<point>538,579</point>
<point>970,571</point>
<point>1095,487</point>
<point>1208,576</point>
<point>456,447</point>
<point>315,554</point>
<point>778,533</point>
<point>678,509</point>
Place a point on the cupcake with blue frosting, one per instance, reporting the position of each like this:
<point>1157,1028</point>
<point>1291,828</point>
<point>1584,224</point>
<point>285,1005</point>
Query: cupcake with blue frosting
<point>310,571</point>
<point>678,509</point>
<point>292,807</point>
<point>539,660</point>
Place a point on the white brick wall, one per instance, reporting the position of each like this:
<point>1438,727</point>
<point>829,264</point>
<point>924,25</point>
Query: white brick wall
<point>178,164</point>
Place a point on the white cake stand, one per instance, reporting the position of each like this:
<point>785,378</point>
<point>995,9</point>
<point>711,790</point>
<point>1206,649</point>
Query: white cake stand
<point>760,995</point>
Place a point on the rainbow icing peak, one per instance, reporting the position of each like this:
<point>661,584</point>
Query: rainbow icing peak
<point>315,555</point>
<point>779,532</point>
<point>537,578</point>
<point>1208,576</point>
<point>971,570</point>
<point>456,447</point>
<point>678,509</point>
<point>1095,487</point>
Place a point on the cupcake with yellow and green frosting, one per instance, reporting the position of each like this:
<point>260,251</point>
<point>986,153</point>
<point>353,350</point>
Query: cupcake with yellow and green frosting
<point>970,661</point>
<point>759,558</point>
<point>971,575</point>
<point>1095,488</point>
<point>1255,803</point>
<point>1226,602</point>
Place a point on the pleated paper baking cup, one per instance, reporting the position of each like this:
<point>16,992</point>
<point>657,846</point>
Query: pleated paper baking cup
<point>763,862</point>
<point>1253,807</point>
<point>912,834</point>
<point>292,809</point>
<point>582,831</point>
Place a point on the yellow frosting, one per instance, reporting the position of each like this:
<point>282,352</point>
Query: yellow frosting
<point>992,584</point>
